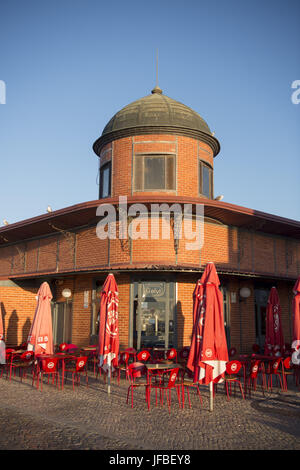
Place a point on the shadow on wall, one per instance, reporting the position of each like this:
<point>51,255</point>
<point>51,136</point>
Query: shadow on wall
<point>25,330</point>
<point>180,325</point>
<point>3,314</point>
<point>12,329</point>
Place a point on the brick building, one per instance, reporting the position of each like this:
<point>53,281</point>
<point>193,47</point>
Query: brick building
<point>154,151</point>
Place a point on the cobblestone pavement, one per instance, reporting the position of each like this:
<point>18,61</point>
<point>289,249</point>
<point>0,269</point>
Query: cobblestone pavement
<point>88,418</point>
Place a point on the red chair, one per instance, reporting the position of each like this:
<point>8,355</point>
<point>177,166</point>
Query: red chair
<point>273,369</point>
<point>47,366</point>
<point>231,377</point>
<point>5,367</point>
<point>252,376</point>
<point>76,367</point>
<point>186,385</point>
<point>162,387</point>
<point>184,354</point>
<point>144,356</point>
<point>21,362</point>
<point>288,369</point>
<point>123,365</point>
<point>70,348</point>
<point>172,355</point>
<point>136,371</point>
<point>93,360</point>
<point>132,354</point>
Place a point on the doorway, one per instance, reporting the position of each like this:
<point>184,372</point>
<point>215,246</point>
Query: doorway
<point>62,322</point>
<point>153,314</point>
<point>261,300</point>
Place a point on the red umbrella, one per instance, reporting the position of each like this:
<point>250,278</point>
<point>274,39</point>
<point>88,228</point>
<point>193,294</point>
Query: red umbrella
<point>1,327</point>
<point>274,343</point>
<point>2,343</point>
<point>109,326</point>
<point>208,353</point>
<point>296,312</point>
<point>40,338</point>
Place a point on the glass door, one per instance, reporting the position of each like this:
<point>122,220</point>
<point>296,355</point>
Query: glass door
<point>62,322</point>
<point>261,299</point>
<point>153,321</point>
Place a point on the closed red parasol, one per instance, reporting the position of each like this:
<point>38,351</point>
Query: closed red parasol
<point>2,343</point>
<point>274,343</point>
<point>296,319</point>
<point>109,327</point>
<point>208,353</point>
<point>40,338</point>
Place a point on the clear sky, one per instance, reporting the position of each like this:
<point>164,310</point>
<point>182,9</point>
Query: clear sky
<point>70,65</point>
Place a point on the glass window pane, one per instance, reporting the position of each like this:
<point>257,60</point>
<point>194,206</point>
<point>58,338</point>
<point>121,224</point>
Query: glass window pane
<point>138,173</point>
<point>154,176</point>
<point>105,181</point>
<point>170,172</point>
<point>205,181</point>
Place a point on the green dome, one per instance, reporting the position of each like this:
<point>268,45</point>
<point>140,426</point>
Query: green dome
<point>156,113</point>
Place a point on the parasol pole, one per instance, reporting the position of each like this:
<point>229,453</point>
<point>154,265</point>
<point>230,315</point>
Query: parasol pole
<point>211,396</point>
<point>108,376</point>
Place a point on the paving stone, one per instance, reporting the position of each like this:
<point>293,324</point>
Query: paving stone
<point>88,418</point>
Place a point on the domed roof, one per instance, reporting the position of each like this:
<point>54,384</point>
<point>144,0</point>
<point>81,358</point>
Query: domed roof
<point>156,113</point>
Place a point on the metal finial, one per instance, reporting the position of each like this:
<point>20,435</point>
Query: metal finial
<point>156,89</point>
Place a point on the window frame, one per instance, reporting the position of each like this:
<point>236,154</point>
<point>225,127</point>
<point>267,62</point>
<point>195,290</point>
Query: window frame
<point>202,164</point>
<point>102,169</point>
<point>163,155</point>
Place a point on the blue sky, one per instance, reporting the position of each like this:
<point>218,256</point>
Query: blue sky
<point>69,66</point>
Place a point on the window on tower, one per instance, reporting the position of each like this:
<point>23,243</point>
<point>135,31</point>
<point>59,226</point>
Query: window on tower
<point>105,181</point>
<point>205,180</point>
<point>154,172</point>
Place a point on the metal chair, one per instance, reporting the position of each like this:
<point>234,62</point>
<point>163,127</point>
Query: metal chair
<point>48,367</point>
<point>231,377</point>
<point>166,387</point>
<point>186,385</point>
<point>136,371</point>
<point>273,369</point>
<point>21,362</point>
<point>76,367</point>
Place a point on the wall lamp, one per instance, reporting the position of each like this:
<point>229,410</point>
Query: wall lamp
<point>245,292</point>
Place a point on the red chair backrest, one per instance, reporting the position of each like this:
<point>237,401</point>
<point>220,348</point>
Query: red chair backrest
<point>124,357</point>
<point>254,368</point>
<point>275,365</point>
<point>173,377</point>
<point>184,353</point>
<point>287,363</point>
<point>62,346</point>
<point>81,363</point>
<point>172,354</point>
<point>130,350</point>
<point>233,367</point>
<point>136,369</point>
<point>143,356</point>
<point>49,365</point>
<point>27,356</point>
